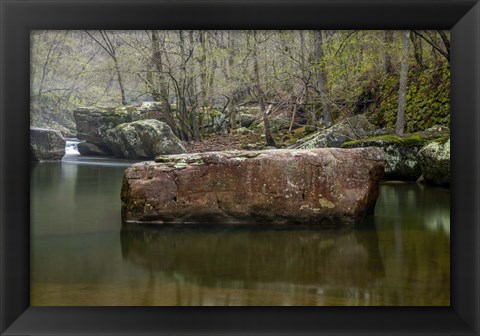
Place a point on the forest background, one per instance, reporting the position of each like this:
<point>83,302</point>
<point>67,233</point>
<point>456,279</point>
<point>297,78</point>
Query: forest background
<point>198,76</point>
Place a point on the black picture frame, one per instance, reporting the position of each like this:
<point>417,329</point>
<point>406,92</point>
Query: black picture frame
<point>18,17</point>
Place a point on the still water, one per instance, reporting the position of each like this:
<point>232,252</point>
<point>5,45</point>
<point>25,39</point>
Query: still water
<point>81,254</point>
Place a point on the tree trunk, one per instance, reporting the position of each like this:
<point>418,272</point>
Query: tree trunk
<point>402,92</point>
<point>120,80</point>
<point>321,78</point>
<point>193,102</point>
<point>231,66</point>
<point>162,95</point>
<point>387,42</point>
<point>256,70</point>
<point>181,91</point>
<point>417,49</point>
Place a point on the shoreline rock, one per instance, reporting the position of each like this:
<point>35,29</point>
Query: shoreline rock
<point>329,187</point>
<point>401,154</point>
<point>435,162</point>
<point>46,144</point>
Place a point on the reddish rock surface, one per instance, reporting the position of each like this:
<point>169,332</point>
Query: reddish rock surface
<point>330,187</point>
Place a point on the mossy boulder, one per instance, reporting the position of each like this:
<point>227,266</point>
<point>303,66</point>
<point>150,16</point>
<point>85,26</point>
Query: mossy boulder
<point>46,144</point>
<point>93,122</point>
<point>435,162</point>
<point>246,120</point>
<point>401,154</point>
<point>353,128</point>
<point>143,139</point>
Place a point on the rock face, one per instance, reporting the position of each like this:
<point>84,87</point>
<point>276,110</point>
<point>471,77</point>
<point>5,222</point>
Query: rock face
<point>46,144</point>
<point>401,154</point>
<point>354,128</point>
<point>93,122</point>
<point>326,187</point>
<point>435,162</point>
<point>143,139</point>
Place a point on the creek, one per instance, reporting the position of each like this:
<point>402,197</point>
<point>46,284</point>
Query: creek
<point>83,255</point>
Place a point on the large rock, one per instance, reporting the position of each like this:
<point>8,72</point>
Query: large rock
<point>354,128</point>
<point>435,162</point>
<point>93,122</point>
<point>46,144</point>
<point>326,187</point>
<point>401,154</point>
<point>143,139</point>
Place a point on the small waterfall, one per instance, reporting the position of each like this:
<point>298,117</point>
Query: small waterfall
<point>71,146</point>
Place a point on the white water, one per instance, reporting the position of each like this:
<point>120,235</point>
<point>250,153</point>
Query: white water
<point>71,147</point>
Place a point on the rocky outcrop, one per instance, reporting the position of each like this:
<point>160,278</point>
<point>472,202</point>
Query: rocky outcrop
<point>143,139</point>
<point>46,144</point>
<point>435,162</point>
<point>354,128</point>
<point>326,187</point>
<point>401,154</point>
<point>92,123</point>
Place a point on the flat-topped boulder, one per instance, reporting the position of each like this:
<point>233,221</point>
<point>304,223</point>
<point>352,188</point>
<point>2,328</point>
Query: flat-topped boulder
<point>330,187</point>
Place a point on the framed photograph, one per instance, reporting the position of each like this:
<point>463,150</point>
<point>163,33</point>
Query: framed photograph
<point>239,167</point>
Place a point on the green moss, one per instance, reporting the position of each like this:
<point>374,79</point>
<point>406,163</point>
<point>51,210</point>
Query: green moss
<point>428,100</point>
<point>441,140</point>
<point>409,140</point>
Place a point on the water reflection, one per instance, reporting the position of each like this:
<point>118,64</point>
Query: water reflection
<point>316,267</point>
<point>80,255</point>
<point>248,257</point>
<point>67,197</point>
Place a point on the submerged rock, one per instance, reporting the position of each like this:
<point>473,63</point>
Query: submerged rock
<point>143,139</point>
<point>435,162</point>
<point>354,128</point>
<point>401,154</point>
<point>327,187</point>
<point>46,144</point>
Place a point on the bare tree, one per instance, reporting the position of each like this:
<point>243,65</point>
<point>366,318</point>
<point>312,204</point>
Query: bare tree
<point>321,77</point>
<point>106,43</point>
<point>260,93</point>
<point>387,42</point>
<point>402,92</point>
